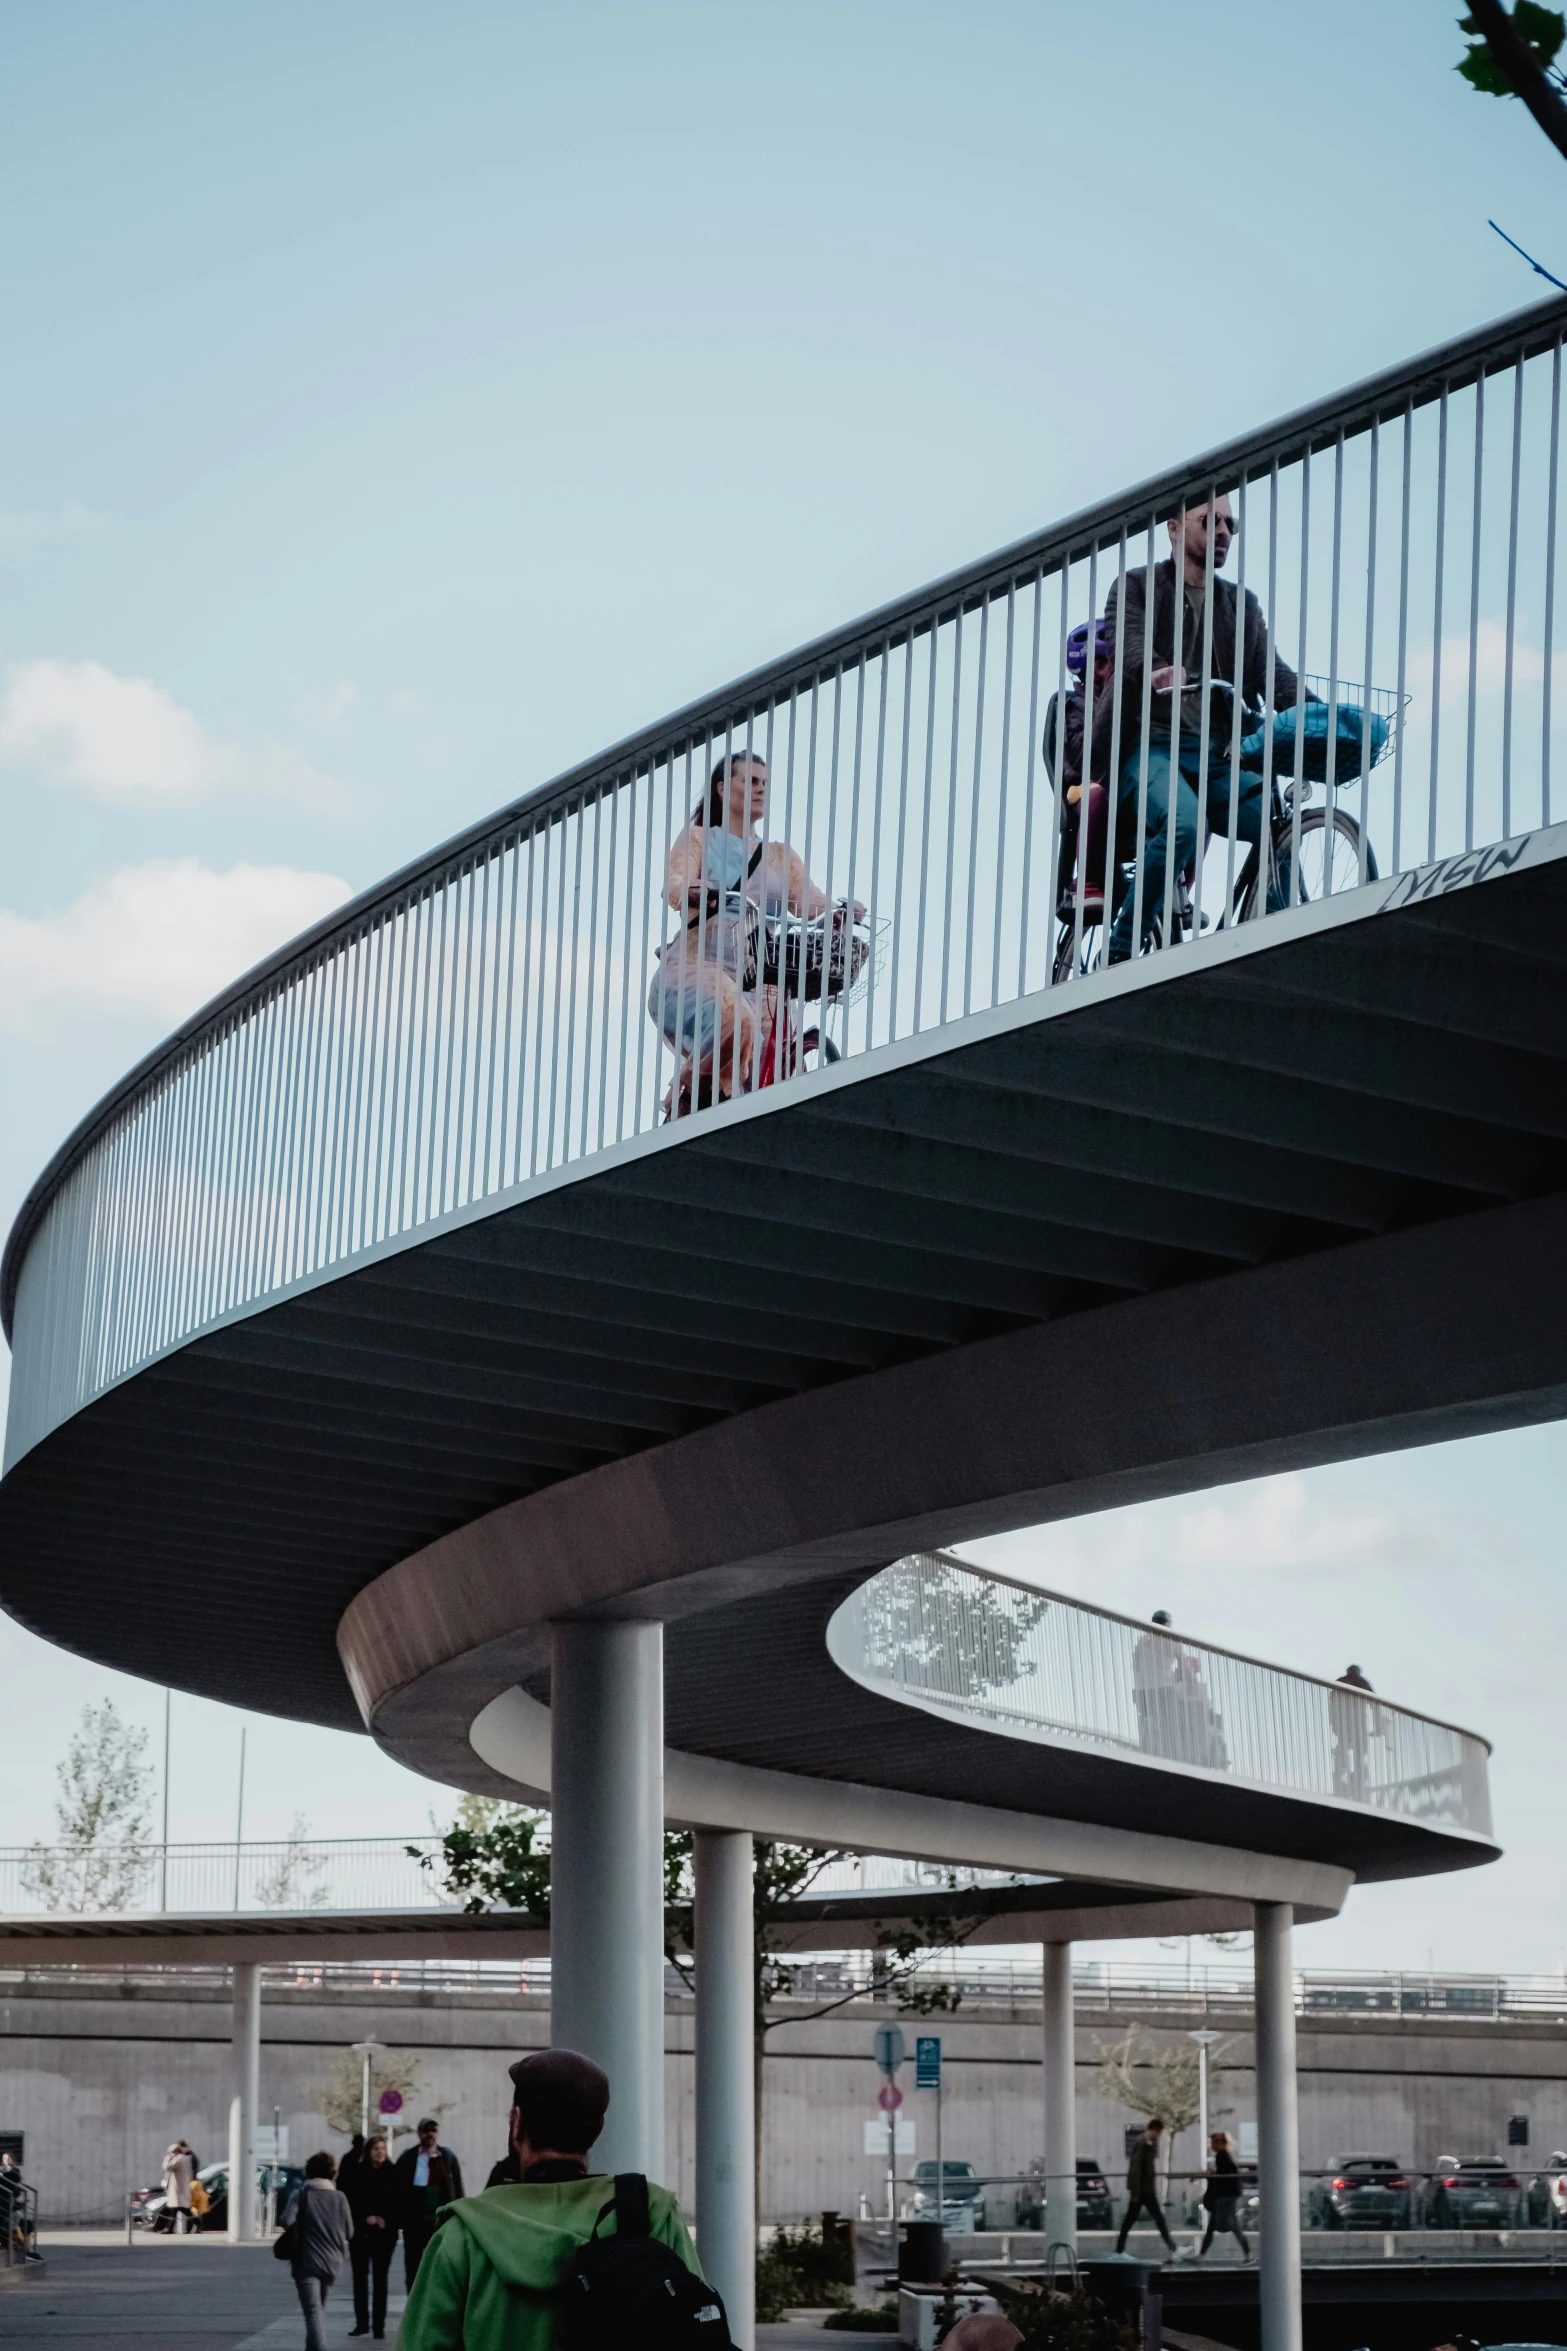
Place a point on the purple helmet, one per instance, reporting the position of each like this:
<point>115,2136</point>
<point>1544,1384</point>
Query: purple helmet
<point>1077,645</point>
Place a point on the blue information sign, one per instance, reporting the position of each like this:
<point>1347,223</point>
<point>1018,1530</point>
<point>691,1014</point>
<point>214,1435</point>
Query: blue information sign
<point>927,2061</point>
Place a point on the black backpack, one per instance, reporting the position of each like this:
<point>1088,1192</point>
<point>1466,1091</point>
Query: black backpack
<point>630,2293</point>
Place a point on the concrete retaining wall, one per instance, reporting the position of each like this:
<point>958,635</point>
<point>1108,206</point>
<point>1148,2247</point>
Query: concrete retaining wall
<point>101,2076</point>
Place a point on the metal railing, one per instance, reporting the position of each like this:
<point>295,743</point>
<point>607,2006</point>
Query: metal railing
<point>994,1981</point>
<point>934,1632</point>
<point>483,1021</point>
<point>290,1874</point>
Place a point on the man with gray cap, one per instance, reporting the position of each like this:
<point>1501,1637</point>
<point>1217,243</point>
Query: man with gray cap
<point>493,2276</point>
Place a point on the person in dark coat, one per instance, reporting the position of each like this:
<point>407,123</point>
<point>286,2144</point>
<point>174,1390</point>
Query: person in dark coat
<point>1142,2185</point>
<point>1221,2197</point>
<point>429,2177</point>
<point>374,2192</point>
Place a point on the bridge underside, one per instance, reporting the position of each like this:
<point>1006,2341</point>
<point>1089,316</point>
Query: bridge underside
<point>1294,1197</point>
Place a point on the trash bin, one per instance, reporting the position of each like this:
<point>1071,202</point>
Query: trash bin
<point>1129,2289</point>
<point>921,2253</point>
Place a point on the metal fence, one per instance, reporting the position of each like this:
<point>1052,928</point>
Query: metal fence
<point>994,1981</point>
<point>483,1021</point>
<point>939,1634</point>
<point>292,1874</point>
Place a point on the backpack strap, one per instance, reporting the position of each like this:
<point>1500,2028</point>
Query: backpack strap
<point>633,2218</point>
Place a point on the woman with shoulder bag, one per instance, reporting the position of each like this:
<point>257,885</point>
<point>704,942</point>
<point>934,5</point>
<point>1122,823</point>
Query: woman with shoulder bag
<point>1221,2197</point>
<point>318,2228</point>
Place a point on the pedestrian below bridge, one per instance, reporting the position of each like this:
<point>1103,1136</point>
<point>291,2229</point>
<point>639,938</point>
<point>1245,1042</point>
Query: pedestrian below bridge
<point>1142,2185</point>
<point>373,2192</point>
<point>319,2227</point>
<point>503,2264</point>
<point>179,2175</point>
<point>429,2177</point>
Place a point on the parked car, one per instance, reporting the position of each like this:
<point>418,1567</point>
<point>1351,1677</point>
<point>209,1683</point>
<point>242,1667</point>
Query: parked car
<point>1477,2193</point>
<point>1361,2192</point>
<point>1552,2184</point>
<point>962,2196</point>
<point>150,2209</point>
<point>1094,2208</point>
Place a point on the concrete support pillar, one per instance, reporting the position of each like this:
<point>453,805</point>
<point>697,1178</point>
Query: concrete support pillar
<point>244,2218</point>
<point>1278,2129</point>
<point>726,2074</point>
<point>1060,2098</point>
<point>607,1874</point>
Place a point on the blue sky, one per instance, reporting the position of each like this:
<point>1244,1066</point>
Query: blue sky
<point>403,404</point>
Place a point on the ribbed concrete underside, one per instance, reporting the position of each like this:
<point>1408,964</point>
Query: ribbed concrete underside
<point>1388,1091</point>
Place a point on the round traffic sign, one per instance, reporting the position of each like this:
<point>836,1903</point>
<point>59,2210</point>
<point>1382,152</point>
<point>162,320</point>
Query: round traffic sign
<point>391,2102</point>
<point>890,2099</point>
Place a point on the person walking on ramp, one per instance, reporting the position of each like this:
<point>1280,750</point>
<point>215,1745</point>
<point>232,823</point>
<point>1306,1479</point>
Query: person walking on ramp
<point>563,2256</point>
<point>1142,2185</point>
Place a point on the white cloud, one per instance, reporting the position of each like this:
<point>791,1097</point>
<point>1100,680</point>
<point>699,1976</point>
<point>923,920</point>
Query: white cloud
<point>1490,650</point>
<point>21,531</point>
<point>127,739</point>
<point>327,706</point>
<point>1282,1525</point>
<point>152,941</point>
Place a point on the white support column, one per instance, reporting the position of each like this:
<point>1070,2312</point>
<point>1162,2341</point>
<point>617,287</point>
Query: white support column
<point>1060,2098</point>
<point>607,1874</point>
<point>243,2106</point>
<point>1278,2129</point>
<point>726,2074</point>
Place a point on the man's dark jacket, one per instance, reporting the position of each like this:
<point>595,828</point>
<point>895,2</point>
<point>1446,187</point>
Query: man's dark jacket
<point>416,2206</point>
<point>1161,649</point>
<point>1142,2173</point>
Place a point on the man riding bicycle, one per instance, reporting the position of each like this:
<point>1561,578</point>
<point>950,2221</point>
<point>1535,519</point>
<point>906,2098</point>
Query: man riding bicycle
<point>1178,789</point>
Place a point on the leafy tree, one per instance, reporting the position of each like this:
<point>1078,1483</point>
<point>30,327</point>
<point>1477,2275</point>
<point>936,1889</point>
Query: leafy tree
<point>1513,55</point>
<point>292,1881</point>
<point>1149,2079</point>
<point>932,1624</point>
<point>101,1818</point>
<point>339,2091</point>
<point>496,1857</point>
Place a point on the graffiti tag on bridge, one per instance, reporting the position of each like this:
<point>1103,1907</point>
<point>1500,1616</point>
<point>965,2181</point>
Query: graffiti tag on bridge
<point>1456,873</point>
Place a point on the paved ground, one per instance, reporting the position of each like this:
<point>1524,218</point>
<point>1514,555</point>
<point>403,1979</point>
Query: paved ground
<point>193,2293</point>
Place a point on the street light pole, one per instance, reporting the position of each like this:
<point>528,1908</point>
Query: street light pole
<point>366,2050</point>
<point>1204,2041</point>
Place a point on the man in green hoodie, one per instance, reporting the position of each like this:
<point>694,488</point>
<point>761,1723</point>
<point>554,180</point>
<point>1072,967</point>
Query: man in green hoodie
<point>491,2278</point>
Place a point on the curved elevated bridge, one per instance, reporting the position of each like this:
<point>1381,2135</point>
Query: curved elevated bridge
<point>402,1305</point>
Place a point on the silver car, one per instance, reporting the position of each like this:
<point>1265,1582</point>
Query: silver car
<point>962,2197</point>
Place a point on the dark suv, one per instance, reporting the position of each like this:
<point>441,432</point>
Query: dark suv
<point>1094,2209</point>
<point>1476,2194</point>
<point>1361,2192</point>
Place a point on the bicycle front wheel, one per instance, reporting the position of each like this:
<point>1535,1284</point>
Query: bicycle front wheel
<point>1330,858</point>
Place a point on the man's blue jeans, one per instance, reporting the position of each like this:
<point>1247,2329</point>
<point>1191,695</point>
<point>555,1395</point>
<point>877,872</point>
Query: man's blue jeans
<point>1183,824</point>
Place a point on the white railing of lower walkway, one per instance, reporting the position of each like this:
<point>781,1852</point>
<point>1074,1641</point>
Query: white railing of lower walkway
<point>937,1633</point>
<point>328,1874</point>
<point>289,1874</point>
<point>506,1008</point>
